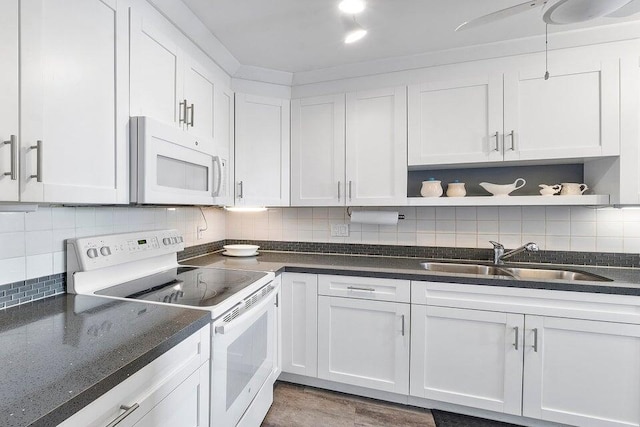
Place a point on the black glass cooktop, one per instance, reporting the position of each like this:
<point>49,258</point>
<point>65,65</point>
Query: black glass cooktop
<point>200,287</point>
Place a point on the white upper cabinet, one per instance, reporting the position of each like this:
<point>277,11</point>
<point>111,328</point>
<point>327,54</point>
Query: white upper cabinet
<point>376,154</point>
<point>74,97</point>
<point>156,72</point>
<point>9,106</point>
<point>168,84</point>
<point>574,114</point>
<point>456,121</point>
<point>262,151</point>
<point>224,142</point>
<point>512,113</point>
<point>318,151</point>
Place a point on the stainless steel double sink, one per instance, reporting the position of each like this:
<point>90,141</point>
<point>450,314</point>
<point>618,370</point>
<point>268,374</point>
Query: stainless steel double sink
<point>513,272</point>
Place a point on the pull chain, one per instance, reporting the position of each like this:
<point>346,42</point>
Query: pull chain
<point>546,51</point>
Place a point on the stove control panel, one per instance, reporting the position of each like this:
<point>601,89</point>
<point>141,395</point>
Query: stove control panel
<point>89,253</point>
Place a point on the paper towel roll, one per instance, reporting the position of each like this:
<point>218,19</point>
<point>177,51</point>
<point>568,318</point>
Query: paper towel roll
<point>374,217</point>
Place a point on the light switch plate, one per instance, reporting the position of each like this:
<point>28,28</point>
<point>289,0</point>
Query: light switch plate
<point>339,230</point>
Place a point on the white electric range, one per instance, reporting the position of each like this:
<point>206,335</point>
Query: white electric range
<point>243,306</point>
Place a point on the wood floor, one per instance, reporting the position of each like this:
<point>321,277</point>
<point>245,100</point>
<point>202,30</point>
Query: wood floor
<point>300,406</point>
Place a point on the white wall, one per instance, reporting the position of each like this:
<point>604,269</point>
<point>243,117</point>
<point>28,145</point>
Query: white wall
<point>553,228</point>
<point>32,244</point>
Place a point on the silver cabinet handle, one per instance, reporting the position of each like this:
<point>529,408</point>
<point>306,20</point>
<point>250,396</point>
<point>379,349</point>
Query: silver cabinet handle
<point>403,325</point>
<point>350,190</point>
<point>182,115</point>
<point>13,172</point>
<point>535,340</point>
<point>241,192</point>
<point>497,137</point>
<point>512,135</point>
<point>193,110</point>
<point>128,410</point>
<point>356,288</point>
<point>515,344</point>
<point>38,148</point>
<point>339,195</point>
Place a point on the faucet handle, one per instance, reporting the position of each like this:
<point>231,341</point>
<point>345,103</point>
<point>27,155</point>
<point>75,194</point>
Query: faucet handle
<point>496,245</point>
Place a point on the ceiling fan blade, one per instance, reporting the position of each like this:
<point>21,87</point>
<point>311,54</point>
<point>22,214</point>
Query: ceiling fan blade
<point>629,9</point>
<point>501,14</point>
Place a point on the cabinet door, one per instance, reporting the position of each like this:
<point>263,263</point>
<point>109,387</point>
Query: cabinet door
<point>456,121</point>
<point>377,147</point>
<point>74,92</point>
<point>317,151</point>
<point>199,91</point>
<point>156,72</point>
<point>582,372</point>
<point>574,114</point>
<point>224,142</point>
<point>300,324</point>
<point>262,151</point>
<point>364,343</point>
<point>9,105</point>
<point>467,357</point>
<point>186,406</point>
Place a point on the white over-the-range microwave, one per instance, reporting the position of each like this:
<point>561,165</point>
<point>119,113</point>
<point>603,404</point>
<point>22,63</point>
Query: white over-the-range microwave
<point>169,168</point>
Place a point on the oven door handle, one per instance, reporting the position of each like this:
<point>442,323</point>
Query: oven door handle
<point>250,315</point>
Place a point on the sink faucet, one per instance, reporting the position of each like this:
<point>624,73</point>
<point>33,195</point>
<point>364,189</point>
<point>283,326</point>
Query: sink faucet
<point>499,255</point>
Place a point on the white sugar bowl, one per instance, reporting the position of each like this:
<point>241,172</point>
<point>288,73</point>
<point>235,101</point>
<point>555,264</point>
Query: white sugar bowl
<point>549,190</point>
<point>431,188</point>
<point>456,189</point>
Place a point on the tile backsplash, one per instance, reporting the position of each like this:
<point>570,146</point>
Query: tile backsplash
<point>32,244</point>
<point>554,228</point>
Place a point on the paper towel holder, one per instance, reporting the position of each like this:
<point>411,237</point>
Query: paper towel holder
<point>349,209</point>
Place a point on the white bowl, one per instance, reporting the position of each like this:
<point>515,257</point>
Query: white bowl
<point>240,250</point>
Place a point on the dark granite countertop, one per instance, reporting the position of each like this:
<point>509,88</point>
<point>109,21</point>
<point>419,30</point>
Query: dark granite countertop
<point>624,281</point>
<point>59,354</point>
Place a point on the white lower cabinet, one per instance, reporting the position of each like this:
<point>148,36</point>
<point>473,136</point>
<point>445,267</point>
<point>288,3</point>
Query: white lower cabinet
<point>467,357</point>
<point>364,343</point>
<point>581,372</point>
<point>531,361</point>
<point>173,390</point>
<point>299,295</point>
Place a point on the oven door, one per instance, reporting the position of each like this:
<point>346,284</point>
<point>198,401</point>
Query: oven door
<point>169,169</point>
<point>243,354</point>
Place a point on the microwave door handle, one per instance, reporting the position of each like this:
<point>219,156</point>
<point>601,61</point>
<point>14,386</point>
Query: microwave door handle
<point>247,317</point>
<point>216,159</point>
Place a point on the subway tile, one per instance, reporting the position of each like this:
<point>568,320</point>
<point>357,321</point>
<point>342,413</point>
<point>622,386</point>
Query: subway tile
<point>426,213</point>
<point>558,213</point>
<point>39,265</point>
<point>12,245</point>
<point>13,269</point>
<point>580,213</point>
<point>407,226</point>
<point>510,227</point>
<point>609,229</point>
<point>631,244</point>
<point>38,220</point>
<point>488,213</point>
<point>558,243</point>
<point>445,213</point>
<point>583,244</point>
<point>466,213</point>
<point>305,213</point>
<point>488,227</point>
<point>466,227</point>
<point>320,213</point>
<point>305,224</point>
<point>510,213</point>
<point>609,215</point>
<point>558,228</point>
<point>631,229</point>
<point>583,228</point>
<point>39,242</point>
<point>426,226</point>
<point>85,217</point>
<point>510,241</point>
<point>537,227</point>
<point>63,217</point>
<point>466,240</point>
<point>11,221</point>
<point>425,239</point>
<point>387,238</point>
<point>533,213</point>
<point>445,227</point>
<point>609,244</point>
<point>446,239</point>
<point>407,239</point>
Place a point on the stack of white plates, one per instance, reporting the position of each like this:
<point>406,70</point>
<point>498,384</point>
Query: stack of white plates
<point>240,250</point>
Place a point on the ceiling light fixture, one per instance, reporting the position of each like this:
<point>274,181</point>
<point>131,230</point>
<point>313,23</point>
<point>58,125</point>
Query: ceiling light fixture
<point>354,32</point>
<point>351,6</point>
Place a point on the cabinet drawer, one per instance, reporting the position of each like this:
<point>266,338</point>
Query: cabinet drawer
<point>148,386</point>
<point>365,288</point>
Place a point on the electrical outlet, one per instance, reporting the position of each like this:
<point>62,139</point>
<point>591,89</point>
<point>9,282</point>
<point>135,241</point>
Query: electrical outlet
<point>339,230</point>
<point>199,232</point>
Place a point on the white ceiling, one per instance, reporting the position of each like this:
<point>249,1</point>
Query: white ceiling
<point>305,35</point>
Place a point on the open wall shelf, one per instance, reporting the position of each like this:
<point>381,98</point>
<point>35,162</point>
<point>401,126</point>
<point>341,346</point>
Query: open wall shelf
<point>584,200</point>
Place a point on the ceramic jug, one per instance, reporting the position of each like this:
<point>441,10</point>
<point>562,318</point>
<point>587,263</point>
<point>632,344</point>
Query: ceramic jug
<point>549,190</point>
<point>456,189</point>
<point>573,189</point>
<point>431,188</point>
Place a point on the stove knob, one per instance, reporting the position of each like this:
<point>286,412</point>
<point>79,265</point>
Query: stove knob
<point>166,241</point>
<point>105,250</point>
<point>92,253</point>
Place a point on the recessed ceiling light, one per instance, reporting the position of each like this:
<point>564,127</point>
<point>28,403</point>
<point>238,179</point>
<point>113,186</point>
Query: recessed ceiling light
<point>354,31</point>
<point>352,6</point>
